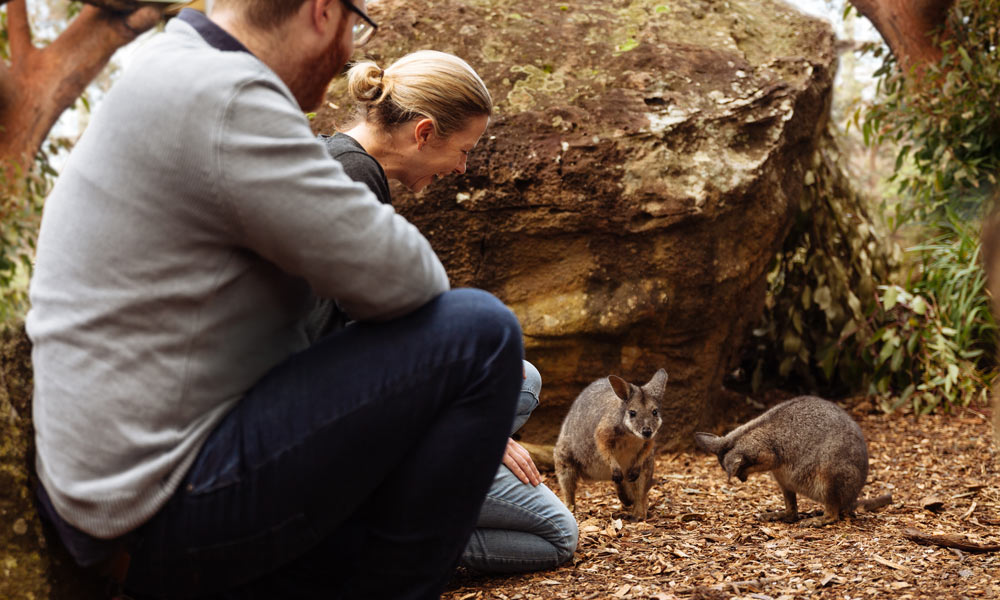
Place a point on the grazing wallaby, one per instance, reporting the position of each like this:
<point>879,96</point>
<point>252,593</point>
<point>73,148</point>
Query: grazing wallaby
<point>608,434</point>
<point>811,447</point>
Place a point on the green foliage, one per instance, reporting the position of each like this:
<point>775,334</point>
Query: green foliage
<point>843,316</point>
<point>823,285</point>
<point>932,343</point>
<point>945,121</point>
<point>21,201</point>
<point>20,205</point>
<point>4,37</point>
<point>836,322</point>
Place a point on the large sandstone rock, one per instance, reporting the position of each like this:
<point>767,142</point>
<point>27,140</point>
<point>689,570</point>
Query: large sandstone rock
<point>32,567</point>
<point>640,173</point>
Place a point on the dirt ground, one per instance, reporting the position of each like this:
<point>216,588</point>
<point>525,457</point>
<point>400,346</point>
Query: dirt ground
<point>703,540</point>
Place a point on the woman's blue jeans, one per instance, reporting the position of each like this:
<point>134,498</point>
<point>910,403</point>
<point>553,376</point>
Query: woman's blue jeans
<point>356,469</point>
<point>521,527</point>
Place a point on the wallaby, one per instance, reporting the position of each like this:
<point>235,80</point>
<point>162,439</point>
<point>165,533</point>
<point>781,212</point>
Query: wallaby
<point>811,446</point>
<point>609,433</point>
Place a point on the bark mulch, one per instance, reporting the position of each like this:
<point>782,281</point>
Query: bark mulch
<point>939,538</point>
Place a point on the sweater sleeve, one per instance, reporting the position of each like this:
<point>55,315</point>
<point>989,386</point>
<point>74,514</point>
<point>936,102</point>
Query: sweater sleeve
<point>292,204</point>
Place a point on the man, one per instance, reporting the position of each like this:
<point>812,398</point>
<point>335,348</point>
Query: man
<point>185,426</point>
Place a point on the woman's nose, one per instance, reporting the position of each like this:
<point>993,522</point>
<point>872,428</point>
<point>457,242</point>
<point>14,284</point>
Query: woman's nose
<point>461,164</point>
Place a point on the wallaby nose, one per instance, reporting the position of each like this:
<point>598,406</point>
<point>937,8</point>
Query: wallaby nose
<point>647,432</point>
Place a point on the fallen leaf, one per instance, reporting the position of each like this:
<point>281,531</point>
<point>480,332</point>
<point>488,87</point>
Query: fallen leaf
<point>933,503</point>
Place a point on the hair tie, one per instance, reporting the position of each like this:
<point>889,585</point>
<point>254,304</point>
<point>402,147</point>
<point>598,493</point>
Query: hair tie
<point>381,74</point>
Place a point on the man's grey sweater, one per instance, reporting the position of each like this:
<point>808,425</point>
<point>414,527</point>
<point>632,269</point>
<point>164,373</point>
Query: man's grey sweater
<point>175,262</point>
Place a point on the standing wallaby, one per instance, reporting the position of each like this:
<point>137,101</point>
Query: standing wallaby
<point>811,447</point>
<point>608,434</point>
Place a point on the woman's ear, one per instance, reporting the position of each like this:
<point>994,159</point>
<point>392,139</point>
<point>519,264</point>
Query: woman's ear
<point>423,131</point>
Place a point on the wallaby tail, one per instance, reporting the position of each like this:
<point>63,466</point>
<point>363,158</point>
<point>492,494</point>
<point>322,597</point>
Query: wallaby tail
<point>870,504</point>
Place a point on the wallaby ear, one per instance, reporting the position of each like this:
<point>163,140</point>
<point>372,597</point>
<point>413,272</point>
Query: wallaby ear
<point>708,442</point>
<point>620,386</point>
<point>657,385</point>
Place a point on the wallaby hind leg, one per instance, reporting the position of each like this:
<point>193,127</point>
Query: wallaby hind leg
<point>831,514</point>
<point>567,474</point>
<point>789,515</point>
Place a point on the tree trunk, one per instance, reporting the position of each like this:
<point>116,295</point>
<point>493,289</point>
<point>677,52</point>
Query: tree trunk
<point>990,256</point>
<point>907,26</point>
<point>40,83</point>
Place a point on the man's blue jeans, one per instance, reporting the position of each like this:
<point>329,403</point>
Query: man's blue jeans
<point>356,469</point>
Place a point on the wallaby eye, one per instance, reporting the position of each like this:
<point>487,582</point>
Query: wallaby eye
<point>631,413</point>
<point>656,413</point>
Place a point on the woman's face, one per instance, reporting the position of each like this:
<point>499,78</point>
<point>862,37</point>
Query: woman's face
<point>433,157</point>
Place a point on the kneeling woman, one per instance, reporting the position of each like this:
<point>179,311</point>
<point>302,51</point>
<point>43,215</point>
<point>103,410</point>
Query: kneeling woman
<point>418,121</point>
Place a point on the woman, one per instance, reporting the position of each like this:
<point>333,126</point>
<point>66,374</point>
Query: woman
<point>418,121</point>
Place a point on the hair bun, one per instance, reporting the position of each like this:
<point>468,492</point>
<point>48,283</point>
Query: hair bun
<point>364,81</point>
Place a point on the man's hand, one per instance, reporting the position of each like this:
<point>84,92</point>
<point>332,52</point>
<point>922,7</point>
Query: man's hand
<point>519,462</point>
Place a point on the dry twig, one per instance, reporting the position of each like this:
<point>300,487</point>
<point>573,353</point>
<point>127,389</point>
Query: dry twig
<point>949,540</point>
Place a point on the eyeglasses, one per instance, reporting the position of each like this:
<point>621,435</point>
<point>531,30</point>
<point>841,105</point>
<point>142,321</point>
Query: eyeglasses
<point>364,29</point>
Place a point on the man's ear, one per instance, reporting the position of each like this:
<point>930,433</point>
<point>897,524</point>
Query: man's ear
<point>324,14</point>
<point>423,131</point>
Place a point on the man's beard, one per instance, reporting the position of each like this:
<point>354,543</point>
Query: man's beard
<point>311,84</point>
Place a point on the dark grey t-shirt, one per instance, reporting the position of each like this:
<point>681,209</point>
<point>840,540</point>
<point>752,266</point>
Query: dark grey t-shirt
<point>358,164</point>
<point>327,315</point>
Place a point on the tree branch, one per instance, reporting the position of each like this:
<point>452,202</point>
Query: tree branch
<point>42,83</point>
<point>907,26</point>
<point>19,30</point>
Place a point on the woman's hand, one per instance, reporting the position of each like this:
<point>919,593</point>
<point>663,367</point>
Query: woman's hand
<point>519,462</point>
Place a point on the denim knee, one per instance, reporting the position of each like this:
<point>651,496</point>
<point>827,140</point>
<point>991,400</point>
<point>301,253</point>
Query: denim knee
<point>532,380</point>
<point>480,316</point>
<point>565,544</point>
<point>481,312</point>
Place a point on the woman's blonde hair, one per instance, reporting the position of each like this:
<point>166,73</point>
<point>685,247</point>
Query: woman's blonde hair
<point>436,85</point>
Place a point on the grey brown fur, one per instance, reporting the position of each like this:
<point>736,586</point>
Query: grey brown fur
<point>811,447</point>
<point>608,434</point>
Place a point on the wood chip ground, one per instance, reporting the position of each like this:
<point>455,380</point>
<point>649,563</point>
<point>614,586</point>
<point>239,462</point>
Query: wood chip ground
<point>703,541</point>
